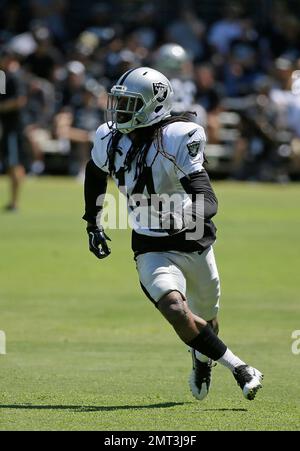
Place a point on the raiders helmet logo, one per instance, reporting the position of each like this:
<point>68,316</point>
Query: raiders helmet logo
<point>193,148</point>
<point>161,89</point>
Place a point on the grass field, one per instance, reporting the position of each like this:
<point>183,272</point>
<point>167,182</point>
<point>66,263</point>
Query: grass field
<point>87,351</point>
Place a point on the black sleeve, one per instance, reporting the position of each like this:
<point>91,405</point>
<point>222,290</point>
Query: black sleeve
<point>95,184</point>
<point>199,183</point>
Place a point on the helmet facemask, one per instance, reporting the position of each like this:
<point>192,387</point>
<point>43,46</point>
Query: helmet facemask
<point>124,109</point>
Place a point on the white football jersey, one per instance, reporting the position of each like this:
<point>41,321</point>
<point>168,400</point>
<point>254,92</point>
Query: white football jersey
<point>184,100</point>
<point>183,141</point>
<point>184,92</point>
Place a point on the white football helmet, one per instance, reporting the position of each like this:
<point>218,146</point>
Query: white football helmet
<point>141,97</point>
<point>171,58</point>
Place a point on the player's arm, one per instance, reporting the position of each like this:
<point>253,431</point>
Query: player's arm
<point>198,183</point>
<point>204,203</point>
<point>194,179</point>
<point>95,185</point>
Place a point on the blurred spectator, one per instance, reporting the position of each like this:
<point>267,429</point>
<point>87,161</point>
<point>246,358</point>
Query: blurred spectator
<point>208,95</point>
<point>282,30</point>
<point>255,152</point>
<point>285,98</point>
<point>189,32</point>
<point>146,25</point>
<point>270,125</point>
<point>23,44</point>
<point>209,90</point>
<point>241,70</point>
<point>173,61</point>
<point>12,106</point>
<point>45,58</point>
<point>119,59</point>
<point>51,13</point>
<point>72,88</point>
<point>239,73</point>
<point>79,127</point>
<point>38,117</point>
<point>225,30</point>
<point>10,19</point>
<point>101,22</point>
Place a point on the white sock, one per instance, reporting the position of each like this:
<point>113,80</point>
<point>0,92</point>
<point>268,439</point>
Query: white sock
<point>230,360</point>
<point>201,357</point>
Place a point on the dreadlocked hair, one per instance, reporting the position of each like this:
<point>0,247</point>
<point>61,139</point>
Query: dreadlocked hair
<point>142,140</point>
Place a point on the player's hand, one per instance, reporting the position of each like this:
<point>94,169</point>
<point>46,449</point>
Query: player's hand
<point>98,241</point>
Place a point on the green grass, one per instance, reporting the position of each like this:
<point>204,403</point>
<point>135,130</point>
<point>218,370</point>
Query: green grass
<point>86,350</point>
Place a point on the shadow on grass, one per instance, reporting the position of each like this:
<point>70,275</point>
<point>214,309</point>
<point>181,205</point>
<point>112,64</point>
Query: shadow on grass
<point>164,405</point>
<point>224,410</point>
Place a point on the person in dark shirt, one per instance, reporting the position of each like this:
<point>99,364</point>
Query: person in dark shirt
<point>46,57</point>
<point>157,159</point>
<point>12,105</point>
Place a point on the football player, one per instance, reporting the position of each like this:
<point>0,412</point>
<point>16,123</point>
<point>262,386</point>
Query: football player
<point>149,152</point>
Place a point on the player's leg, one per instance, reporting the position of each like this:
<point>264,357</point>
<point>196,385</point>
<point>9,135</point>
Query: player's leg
<point>202,293</point>
<point>174,308</point>
<point>201,374</point>
<point>164,283</point>
<point>203,285</point>
<point>198,334</point>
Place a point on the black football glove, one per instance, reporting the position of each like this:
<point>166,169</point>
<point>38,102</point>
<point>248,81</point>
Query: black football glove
<point>97,241</point>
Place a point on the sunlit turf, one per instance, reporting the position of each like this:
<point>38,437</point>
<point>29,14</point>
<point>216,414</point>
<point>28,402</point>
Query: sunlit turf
<point>86,350</point>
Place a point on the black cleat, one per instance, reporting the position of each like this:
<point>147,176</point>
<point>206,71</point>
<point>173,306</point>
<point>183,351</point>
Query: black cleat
<point>249,379</point>
<point>200,378</point>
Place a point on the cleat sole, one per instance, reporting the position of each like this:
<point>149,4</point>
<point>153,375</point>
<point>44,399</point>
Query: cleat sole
<point>250,393</point>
